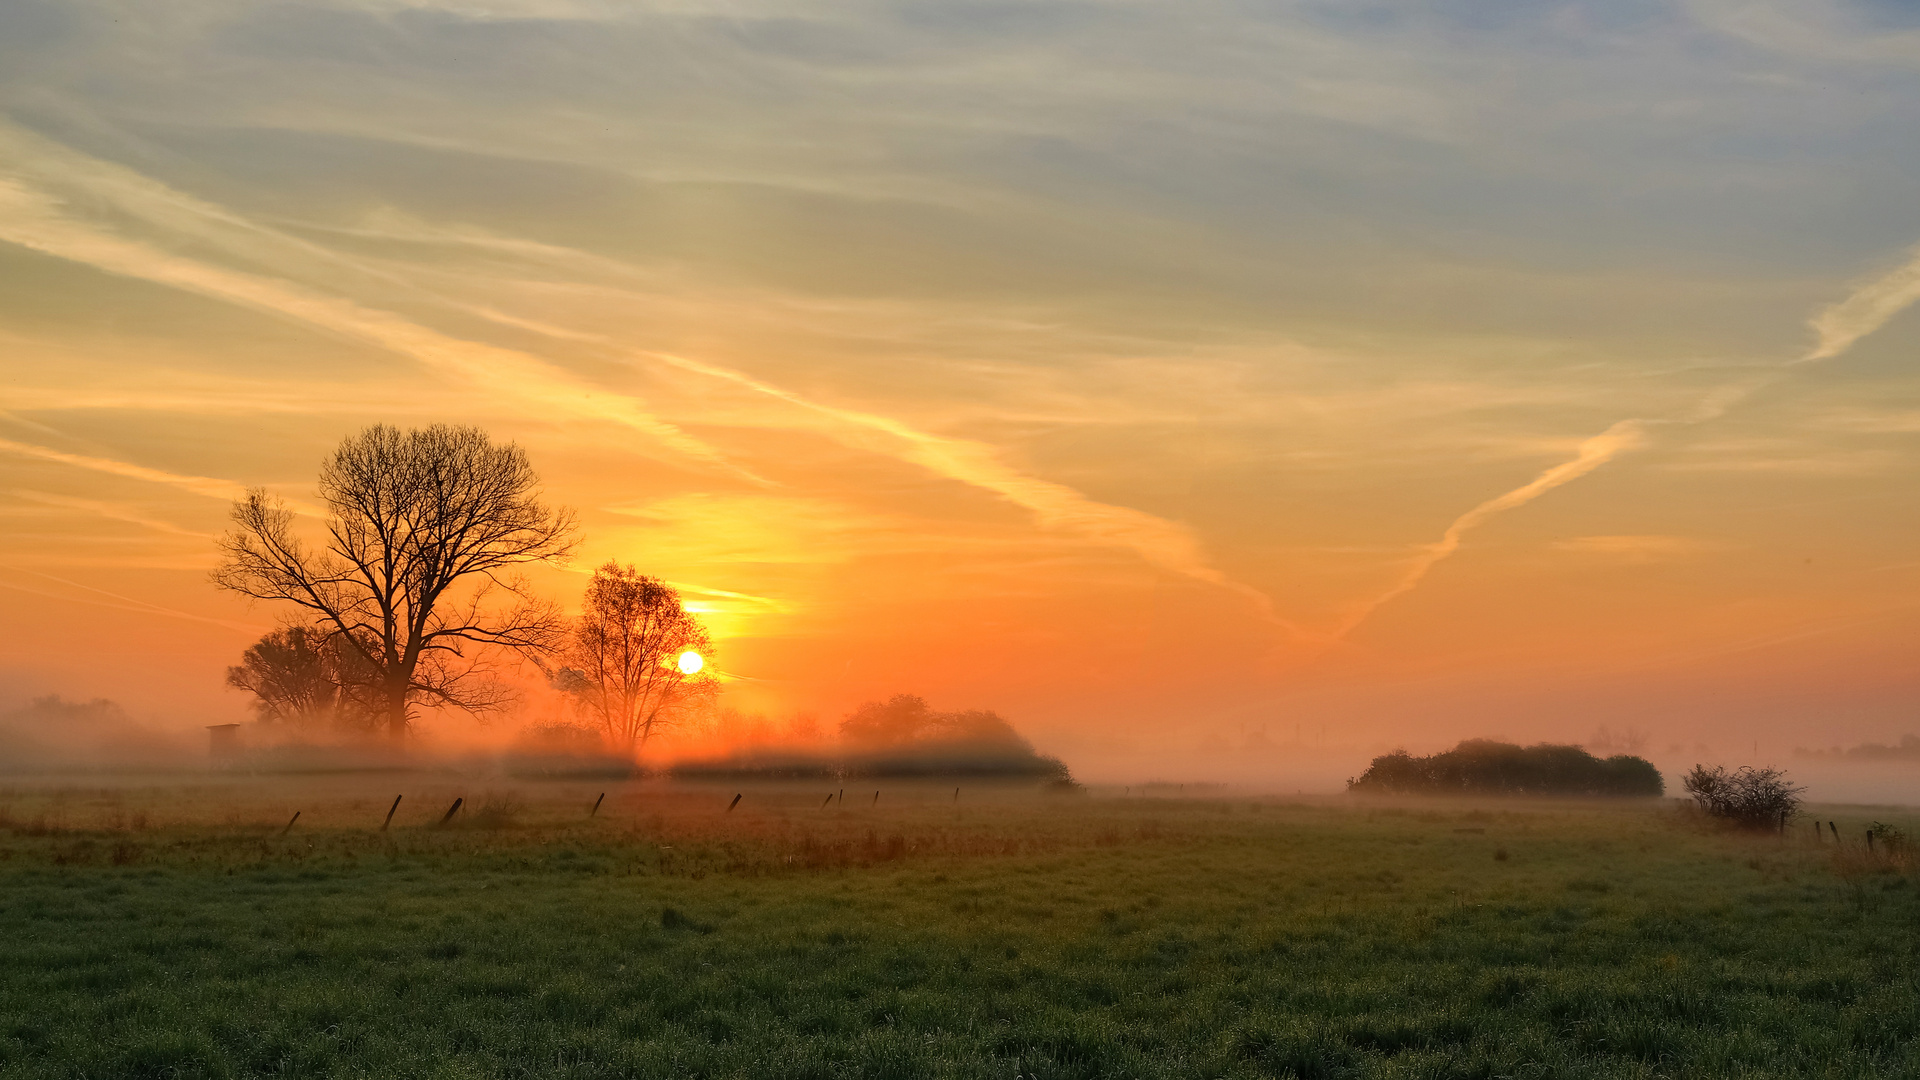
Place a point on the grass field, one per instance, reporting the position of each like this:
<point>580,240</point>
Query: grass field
<point>170,930</point>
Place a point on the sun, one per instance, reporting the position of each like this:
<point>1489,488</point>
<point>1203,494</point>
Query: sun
<point>690,662</point>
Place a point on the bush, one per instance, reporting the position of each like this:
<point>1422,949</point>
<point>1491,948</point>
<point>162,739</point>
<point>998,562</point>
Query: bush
<point>902,737</point>
<point>1750,798</point>
<point>1487,767</point>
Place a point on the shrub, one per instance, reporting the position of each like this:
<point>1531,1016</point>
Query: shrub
<point>1891,838</point>
<point>1488,767</point>
<point>1750,798</point>
<point>498,812</point>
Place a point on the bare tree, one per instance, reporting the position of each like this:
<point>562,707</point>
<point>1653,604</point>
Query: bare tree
<point>624,658</point>
<point>417,574</point>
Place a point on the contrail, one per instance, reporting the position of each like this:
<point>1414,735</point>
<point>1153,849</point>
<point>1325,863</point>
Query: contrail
<point>1837,327</point>
<point>127,603</point>
<point>1168,545</point>
<point>1869,308</point>
<point>33,219</point>
<point>1593,453</point>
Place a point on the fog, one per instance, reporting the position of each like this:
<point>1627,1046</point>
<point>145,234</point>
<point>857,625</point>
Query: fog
<point>51,735</point>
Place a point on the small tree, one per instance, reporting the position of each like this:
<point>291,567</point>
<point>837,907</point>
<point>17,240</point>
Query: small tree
<point>300,675</point>
<point>291,674</point>
<point>1750,798</point>
<point>416,575</point>
<point>623,658</point>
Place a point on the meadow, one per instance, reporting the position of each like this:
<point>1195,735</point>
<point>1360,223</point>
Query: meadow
<point>181,928</point>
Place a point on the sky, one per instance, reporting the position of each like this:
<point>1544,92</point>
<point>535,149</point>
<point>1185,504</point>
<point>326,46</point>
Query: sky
<point>1204,386</point>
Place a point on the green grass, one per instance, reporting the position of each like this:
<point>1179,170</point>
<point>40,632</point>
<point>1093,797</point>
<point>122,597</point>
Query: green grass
<point>1010,935</point>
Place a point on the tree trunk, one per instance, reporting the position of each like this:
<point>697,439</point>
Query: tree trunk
<point>397,713</point>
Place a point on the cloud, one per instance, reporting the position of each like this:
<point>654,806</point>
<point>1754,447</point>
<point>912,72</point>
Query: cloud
<point>200,485</point>
<point>1875,421</point>
<point>34,219</point>
<point>111,511</point>
<point>1163,544</point>
<point>116,601</point>
<point>1865,310</point>
<point>1816,29</point>
<point>1839,326</point>
<point>1636,548</point>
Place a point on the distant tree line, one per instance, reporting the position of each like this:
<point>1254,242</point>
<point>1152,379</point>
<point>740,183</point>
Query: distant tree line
<point>1489,767</point>
<point>1907,749</point>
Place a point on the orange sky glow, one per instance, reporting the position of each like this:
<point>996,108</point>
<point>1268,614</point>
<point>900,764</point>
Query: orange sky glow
<point>1203,394</point>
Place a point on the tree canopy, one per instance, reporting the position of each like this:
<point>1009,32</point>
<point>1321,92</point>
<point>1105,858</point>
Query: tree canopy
<point>1490,767</point>
<point>298,675</point>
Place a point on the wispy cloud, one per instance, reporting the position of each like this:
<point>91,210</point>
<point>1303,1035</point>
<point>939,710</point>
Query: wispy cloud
<point>109,510</point>
<point>1165,545</point>
<point>1636,547</point>
<point>1838,326</point>
<point>200,485</point>
<point>116,601</point>
<point>36,219</point>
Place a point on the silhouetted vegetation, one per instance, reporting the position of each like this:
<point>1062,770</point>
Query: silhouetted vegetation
<point>904,736</point>
<point>52,732</point>
<point>301,677</point>
<point>901,737</point>
<point>1749,797</point>
<point>559,749</point>
<point>1907,749</point>
<point>417,572</point>
<point>1488,767</point>
<point>623,657</point>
